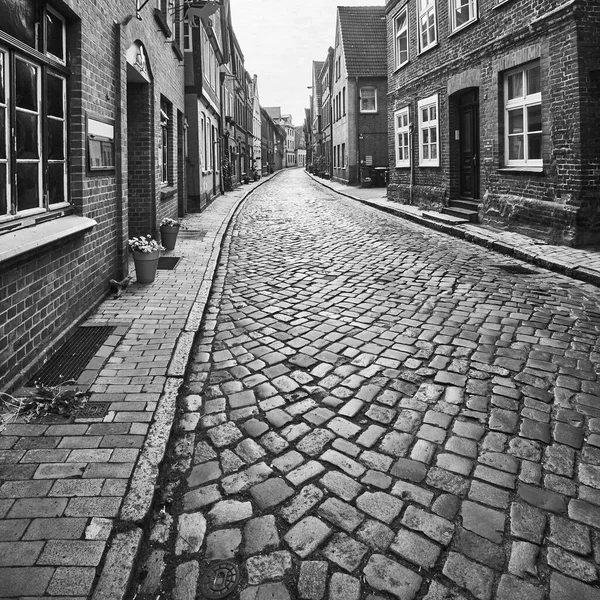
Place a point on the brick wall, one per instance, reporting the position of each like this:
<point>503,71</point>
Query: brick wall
<point>555,204</point>
<point>45,292</point>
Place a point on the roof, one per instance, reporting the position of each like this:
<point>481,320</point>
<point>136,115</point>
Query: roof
<point>273,111</point>
<point>364,38</point>
<point>318,91</point>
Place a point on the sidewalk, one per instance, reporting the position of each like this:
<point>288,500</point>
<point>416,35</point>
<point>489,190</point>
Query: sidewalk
<point>73,495</point>
<point>582,264</point>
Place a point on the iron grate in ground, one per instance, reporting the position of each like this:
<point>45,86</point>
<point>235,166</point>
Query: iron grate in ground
<point>71,359</point>
<point>517,269</point>
<point>94,410</point>
<point>167,263</point>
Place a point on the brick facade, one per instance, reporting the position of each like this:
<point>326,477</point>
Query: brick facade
<point>557,200</point>
<point>60,269</point>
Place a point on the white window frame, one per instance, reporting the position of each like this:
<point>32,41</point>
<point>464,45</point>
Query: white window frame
<point>362,89</point>
<point>452,9</point>
<point>7,160</point>
<point>432,124</point>
<point>63,60</point>
<point>165,146</point>
<point>402,128</point>
<point>426,8</point>
<point>398,34</point>
<point>187,37</point>
<point>523,102</point>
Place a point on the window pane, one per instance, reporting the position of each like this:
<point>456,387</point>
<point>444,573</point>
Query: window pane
<point>27,186</point>
<point>55,96</point>
<point>433,134</point>
<point>425,115</point>
<point>56,142</point>
<point>515,86</point>
<point>433,113</point>
<point>425,151</point>
<point>18,19</point>
<point>26,86</point>
<point>534,148</point>
<point>462,12</point>
<point>515,147</point>
<point>56,183</point>
<point>533,81</point>
<point>2,133</point>
<point>27,136</point>
<point>534,118</point>
<point>3,190</point>
<point>515,121</point>
<point>433,151</point>
<point>2,78</point>
<point>426,136</point>
<point>55,33</point>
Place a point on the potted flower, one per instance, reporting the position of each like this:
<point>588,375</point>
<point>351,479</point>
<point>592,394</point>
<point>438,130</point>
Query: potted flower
<point>146,252</point>
<point>169,228</point>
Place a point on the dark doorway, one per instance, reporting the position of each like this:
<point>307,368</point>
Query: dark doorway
<point>468,110</point>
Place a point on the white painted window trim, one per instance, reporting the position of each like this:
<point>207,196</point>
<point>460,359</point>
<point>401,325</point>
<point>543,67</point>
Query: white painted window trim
<point>398,33</point>
<point>424,8</point>
<point>524,102</point>
<point>368,87</point>
<point>62,61</point>
<point>473,14</point>
<point>428,103</point>
<point>402,130</point>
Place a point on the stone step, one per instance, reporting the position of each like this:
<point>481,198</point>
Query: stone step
<point>443,218</point>
<point>464,203</point>
<point>464,213</point>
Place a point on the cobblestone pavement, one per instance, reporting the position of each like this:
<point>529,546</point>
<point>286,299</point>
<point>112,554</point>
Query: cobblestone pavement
<point>376,410</point>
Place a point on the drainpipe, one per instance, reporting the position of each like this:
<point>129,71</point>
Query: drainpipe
<point>411,130</point>
<point>357,113</point>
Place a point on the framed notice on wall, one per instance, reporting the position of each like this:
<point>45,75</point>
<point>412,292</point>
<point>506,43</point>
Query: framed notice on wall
<point>101,144</point>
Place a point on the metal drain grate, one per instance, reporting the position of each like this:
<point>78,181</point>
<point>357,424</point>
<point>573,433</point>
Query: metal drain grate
<point>516,269</point>
<point>94,410</point>
<point>167,263</point>
<point>71,359</point>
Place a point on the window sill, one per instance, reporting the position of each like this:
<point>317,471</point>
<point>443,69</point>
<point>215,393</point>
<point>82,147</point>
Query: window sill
<point>430,47</point>
<point>398,69</point>
<point>159,17</point>
<point>168,192</point>
<point>17,243</point>
<point>521,170</point>
<point>177,50</point>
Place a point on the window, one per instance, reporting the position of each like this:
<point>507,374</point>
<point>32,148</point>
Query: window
<point>523,117</point>
<point>343,156</point>
<point>402,133</point>
<point>187,36</point>
<point>428,132</point>
<point>344,101</point>
<point>33,119</point>
<point>426,24</point>
<point>368,100</point>
<point>401,29</point>
<point>163,155</point>
<point>462,12</point>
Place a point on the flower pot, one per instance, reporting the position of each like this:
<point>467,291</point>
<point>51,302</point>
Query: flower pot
<point>146,264</point>
<point>168,236</point>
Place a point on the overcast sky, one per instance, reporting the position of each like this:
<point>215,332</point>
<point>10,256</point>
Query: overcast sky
<point>280,39</point>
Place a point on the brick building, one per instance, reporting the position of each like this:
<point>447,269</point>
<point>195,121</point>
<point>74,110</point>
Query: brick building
<point>495,111</point>
<point>359,94</point>
<point>325,167</point>
<point>95,97</point>
<point>206,48</point>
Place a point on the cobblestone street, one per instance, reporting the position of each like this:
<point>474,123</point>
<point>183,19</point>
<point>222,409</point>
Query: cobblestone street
<point>376,410</point>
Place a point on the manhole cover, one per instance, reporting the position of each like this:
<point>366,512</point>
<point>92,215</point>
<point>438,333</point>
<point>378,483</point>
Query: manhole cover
<point>168,262</point>
<point>219,580</point>
<point>516,269</point>
<point>94,410</point>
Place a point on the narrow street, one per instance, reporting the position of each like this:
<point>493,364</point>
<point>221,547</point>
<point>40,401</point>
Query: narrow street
<point>376,410</point>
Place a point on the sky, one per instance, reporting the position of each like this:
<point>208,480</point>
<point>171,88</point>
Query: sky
<point>280,39</point>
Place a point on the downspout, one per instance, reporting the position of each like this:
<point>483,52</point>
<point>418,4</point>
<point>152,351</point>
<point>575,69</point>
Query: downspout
<point>357,113</point>
<point>411,130</point>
